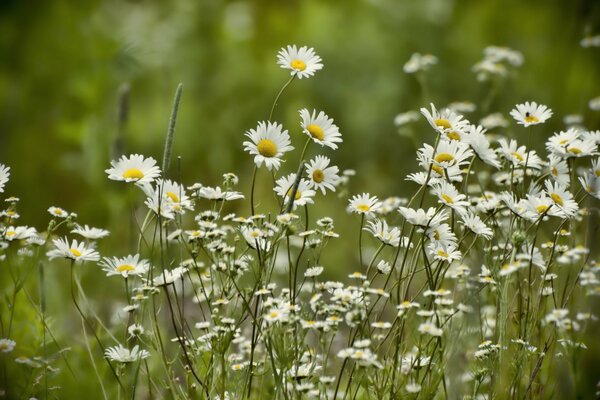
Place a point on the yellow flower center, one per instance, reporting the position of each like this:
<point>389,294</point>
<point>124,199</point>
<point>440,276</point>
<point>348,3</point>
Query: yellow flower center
<point>75,252</point>
<point>436,234</point>
<point>531,118</point>
<point>274,314</point>
<point>597,172</point>
<point>438,169</point>
<point>125,268</point>
<point>444,157</point>
<point>58,211</point>
<point>298,65</point>
<point>442,253</point>
<point>318,176</point>
<point>10,233</point>
<point>557,199</point>
<point>173,197</point>
<point>453,135</point>
<point>133,173</point>
<point>542,209</point>
<point>363,207</point>
<point>554,171</point>
<point>517,156</point>
<point>574,150</point>
<point>267,148</point>
<point>296,197</point>
<point>448,199</point>
<point>10,213</point>
<point>316,131</point>
<point>443,123</point>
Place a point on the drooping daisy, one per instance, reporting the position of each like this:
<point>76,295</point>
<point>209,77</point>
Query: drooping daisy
<point>320,175</point>
<point>268,143</point>
<point>473,223</point>
<point>562,198</point>
<point>380,230</point>
<point>451,125</point>
<point>216,193</point>
<point>518,155</point>
<point>364,204</point>
<point>430,218</point>
<point>304,194</point>
<point>430,329</point>
<point>90,233</point>
<point>302,62</point>
<point>531,113</point>
<point>134,168</point>
<point>74,251</point>
<point>320,128</point>
<point>124,266</point>
<point>123,355</point>
<point>481,146</point>
<point>4,175</point>
<point>449,195</point>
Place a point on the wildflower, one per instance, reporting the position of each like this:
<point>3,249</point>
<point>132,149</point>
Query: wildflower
<point>135,330</point>
<point>4,175</point>
<point>475,224</point>
<point>384,267</point>
<point>413,387</point>
<point>124,355</point>
<point>481,146</point>
<point>531,113</point>
<point>559,170</point>
<point>134,168</point>
<point>167,277</point>
<point>172,194</point>
<point>493,121</point>
<point>58,212</point>
<point>381,325</point>
<point>562,198</point>
<point>447,160</point>
<point>18,233</point>
<point>446,122</point>
<point>518,155</point>
<point>444,253</point>
<point>125,266</point>
<point>302,62</point>
<point>320,175</point>
<point>419,62</point>
<point>216,193</point>
<point>430,218</point>
<point>320,128</point>
<point>7,345</point>
<point>430,329</point>
<point>501,54</point>
<point>90,233</point>
<point>449,195</point>
<point>364,204</point>
<point>304,195</point>
<point>590,41</point>
<point>268,143</point>
<point>405,118</point>
<point>313,272</point>
<point>75,251</point>
<point>380,230</point>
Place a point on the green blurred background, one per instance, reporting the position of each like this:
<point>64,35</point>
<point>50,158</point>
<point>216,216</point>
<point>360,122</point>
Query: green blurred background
<point>67,67</point>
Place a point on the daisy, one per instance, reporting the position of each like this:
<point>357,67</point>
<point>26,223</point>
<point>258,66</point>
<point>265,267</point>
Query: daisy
<point>4,175</point>
<point>304,195</point>
<point>173,195</point>
<point>124,355</point>
<point>364,204</point>
<point>7,345</point>
<point>167,277</point>
<point>216,193</point>
<point>446,122</point>
<point>90,233</point>
<point>430,218</point>
<point>441,235</point>
<point>562,198</point>
<point>591,184</point>
<point>20,232</point>
<point>493,121</point>
<point>380,230</point>
<point>518,155</point>
<point>419,62</point>
<point>58,212</point>
<point>531,113</point>
<point>481,146</point>
<point>430,329</point>
<point>447,159</point>
<point>320,128</point>
<point>302,62</point>
<point>268,143</point>
<point>444,253</point>
<point>134,168</point>
<point>594,104</point>
<point>500,54</point>
<point>559,170</point>
<point>75,251</point>
<point>125,266</point>
<point>320,175</point>
<point>449,195</point>
<point>535,207</point>
<point>476,225</point>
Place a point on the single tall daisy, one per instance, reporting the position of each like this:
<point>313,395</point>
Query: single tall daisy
<point>320,175</point>
<point>134,168</point>
<point>320,128</point>
<point>268,143</point>
<point>527,114</point>
<point>302,62</point>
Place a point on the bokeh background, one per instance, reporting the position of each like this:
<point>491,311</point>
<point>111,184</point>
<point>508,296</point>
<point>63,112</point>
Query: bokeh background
<point>77,75</point>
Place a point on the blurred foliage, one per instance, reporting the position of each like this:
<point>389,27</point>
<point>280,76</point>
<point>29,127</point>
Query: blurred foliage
<point>69,66</point>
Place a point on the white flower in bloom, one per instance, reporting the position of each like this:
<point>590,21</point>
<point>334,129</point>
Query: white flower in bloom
<point>302,62</point>
<point>493,121</point>
<point>216,193</point>
<point>304,195</point>
<point>559,170</point>
<point>268,143</point>
<point>594,104</point>
<point>58,212</point>
<point>320,128</point>
<point>380,230</point>
<point>167,277</point>
<point>18,233</point>
<point>419,62</point>
<point>125,266</point>
<point>447,160</point>
<point>7,345</point>
<point>124,355</point>
<point>364,204</point>
<point>430,218</point>
<point>405,118</point>
<point>74,251</point>
<point>481,146</point>
<point>90,233</point>
<point>320,175</point>
<point>498,54</point>
<point>476,225</point>
<point>430,329</point>
<point>4,175</point>
<point>444,253</point>
<point>450,124</point>
<point>518,155</point>
<point>134,168</point>
<point>531,113</point>
<point>449,195</point>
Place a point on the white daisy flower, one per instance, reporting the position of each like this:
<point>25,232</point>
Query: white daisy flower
<point>559,170</point>
<point>123,355</point>
<point>320,128</point>
<point>476,225</point>
<point>448,159</point>
<point>90,233</point>
<point>7,345</point>
<point>173,195</point>
<point>518,155</point>
<point>450,124</point>
<point>535,207</point>
<point>304,194</point>
<point>430,329</point>
<point>531,113</point>
<point>268,143</point>
<point>591,184</point>
<point>562,198</point>
<point>135,330</point>
<point>419,62</point>
<point>302,62</point>
<point>449,195</point>
<point>441,235</point>
<point>167,277</point>
<point>405,118</point>
<point>430,218</point>
<point>444,253</point>
<point>481,146</point>
<point>216,193</point>
<point>18,233</point>
<point>134,168</point>
<point>364,204</point>
<point>380,230</point>
<point>58,212</point>
<point>4,175</point>
<point>124,266</point>
<point>499,54</point>
<point>320,175</point>
<point>74,251</point>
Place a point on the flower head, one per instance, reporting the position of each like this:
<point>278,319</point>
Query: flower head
<point>528,113</point>
<point>134,168</point>
<point>321,175</point>
<point>302,62</point>
<point>124,266</point>
<point>304,194</point>
<point>320,128</point>
<point>75,251</point>
<point>124,355</point>
<point>364,204</point>
<point>268,143</point>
